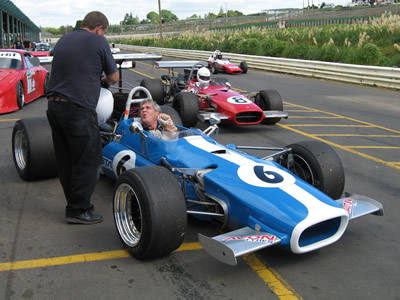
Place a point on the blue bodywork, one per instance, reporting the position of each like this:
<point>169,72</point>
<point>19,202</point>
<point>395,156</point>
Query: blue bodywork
<point>253,192</point>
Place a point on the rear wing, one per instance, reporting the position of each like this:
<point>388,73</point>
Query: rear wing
<point>119,58</point>
<point>176,63</point>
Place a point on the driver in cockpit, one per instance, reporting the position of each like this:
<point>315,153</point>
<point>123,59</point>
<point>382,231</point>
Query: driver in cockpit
<point>154,121</point>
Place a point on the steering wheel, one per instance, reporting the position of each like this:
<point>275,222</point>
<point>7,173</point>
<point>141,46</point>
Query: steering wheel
<point>131,101</point>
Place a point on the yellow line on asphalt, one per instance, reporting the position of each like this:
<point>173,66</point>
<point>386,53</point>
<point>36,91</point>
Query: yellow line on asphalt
<point>62,260</point>
<point>266,273</point>
<point>80,258</point>
<point>315,117</point>
<point>389,164</point>
<point>372,147</point>
<point>359,135</point>
<point>343,117</point>
<point>330,125</point>
<point>275,282</point>
<point>140,73</point>
<point>8,120</point>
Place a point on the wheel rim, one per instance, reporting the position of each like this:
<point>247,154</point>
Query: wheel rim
<point>303,170</point>
<point>128,215</point>
<point>20,149</point>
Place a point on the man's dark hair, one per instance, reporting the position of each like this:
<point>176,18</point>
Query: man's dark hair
<point>95,19</point>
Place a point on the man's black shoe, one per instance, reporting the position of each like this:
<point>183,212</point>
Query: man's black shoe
<point>87,218</point>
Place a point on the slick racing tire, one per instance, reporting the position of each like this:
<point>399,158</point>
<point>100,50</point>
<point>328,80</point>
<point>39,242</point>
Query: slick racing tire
<point>214,68</point>
<point>20,95</point>
<point>318,164</point>
<point>269,100</point>
<point>243,66</point>
<point>149,211</point>
<point>187,105</point>
<point>169,110</point>
<point>32,148</point>
<point>156,89</point>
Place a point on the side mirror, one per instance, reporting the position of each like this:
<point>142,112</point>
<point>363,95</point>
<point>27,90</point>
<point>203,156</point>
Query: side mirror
<point>136,127</point>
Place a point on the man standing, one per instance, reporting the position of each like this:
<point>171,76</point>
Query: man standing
<point>80,58</point>
<point>27,44</point>
<point>18,43</point>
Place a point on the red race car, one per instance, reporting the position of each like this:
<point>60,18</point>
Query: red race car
<point>22,79</point>
<point>41,49</point>
<point>196,96</point>
<point>217,64</point>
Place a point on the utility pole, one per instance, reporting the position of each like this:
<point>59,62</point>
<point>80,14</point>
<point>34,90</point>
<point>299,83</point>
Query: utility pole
<point>159,19</point>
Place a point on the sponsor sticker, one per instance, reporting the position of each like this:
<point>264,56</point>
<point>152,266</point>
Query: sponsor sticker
<point>348,205</point>
<point>253,238</point>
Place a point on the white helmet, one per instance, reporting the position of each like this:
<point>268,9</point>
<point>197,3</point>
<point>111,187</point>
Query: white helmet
<point>105,106</point>
<point>203,75</point>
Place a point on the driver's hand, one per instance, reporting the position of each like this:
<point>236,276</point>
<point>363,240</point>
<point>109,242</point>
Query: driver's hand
<point>166,122</point>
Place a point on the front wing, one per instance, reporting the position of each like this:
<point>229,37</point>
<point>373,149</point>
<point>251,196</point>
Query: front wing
<point>228,246</point>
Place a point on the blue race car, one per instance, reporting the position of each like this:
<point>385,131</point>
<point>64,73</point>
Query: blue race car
<point>290,198</point>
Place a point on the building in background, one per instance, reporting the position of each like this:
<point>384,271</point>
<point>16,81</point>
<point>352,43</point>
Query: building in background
<point>13,23</point>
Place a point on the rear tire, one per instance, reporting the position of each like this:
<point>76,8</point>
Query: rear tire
<point>269,100</point>
<point>243,66</point>
<point>156,89</point>
<point>32,148</point>
<point>318,164</point>
<point>149,211</point>
<point>169,110</point>
<point>187,106</point>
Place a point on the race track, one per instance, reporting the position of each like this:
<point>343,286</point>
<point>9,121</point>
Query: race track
<point>42,257</point>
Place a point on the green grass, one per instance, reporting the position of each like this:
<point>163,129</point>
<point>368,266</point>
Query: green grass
<point>371,43</point>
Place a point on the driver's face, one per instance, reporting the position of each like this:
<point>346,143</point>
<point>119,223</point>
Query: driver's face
<point>149,115</point>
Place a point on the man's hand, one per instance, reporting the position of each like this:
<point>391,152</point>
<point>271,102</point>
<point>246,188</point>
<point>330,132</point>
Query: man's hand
<point>166,122</point>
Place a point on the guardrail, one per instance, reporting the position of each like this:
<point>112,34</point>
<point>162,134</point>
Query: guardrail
<point>359,74</point>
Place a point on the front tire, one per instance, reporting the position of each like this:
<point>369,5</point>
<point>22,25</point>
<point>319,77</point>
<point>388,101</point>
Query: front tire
<point>269,100</point>
<point>215,68</point>
<point>187,105</point>
<point>149,211</point>
<point>32,148</point>
<point>46,84</point>
<point>20,95</point>
<point>318,164</point>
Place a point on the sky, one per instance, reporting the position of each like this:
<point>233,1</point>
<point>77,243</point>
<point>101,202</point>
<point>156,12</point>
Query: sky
<point>56,13</point>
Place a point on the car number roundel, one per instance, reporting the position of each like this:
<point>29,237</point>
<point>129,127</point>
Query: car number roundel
<point>123,161</point>
<point>238,100</point>
<point>264,176</point>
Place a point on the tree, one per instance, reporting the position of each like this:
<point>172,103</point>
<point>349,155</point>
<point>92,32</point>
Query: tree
<point>152,17</point>
<point>168,16</point>
<point>130,20</point>
<point>371,2</point>
<point>78,25</point>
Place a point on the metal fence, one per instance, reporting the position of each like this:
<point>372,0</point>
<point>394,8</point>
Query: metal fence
<point>359,74</point>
